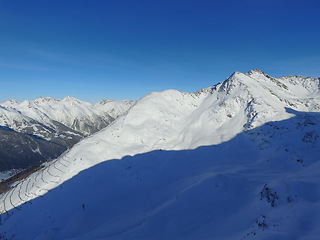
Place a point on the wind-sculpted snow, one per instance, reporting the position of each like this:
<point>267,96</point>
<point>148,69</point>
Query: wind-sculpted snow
<point>235,161</point>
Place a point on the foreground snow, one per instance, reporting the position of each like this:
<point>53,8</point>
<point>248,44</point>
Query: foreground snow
<point>236,161</point>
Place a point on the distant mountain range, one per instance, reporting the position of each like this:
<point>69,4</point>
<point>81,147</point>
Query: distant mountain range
<point>238,160</point>
<point>33,131</point>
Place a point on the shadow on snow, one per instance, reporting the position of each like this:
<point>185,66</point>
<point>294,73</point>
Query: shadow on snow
<point>220,191</point>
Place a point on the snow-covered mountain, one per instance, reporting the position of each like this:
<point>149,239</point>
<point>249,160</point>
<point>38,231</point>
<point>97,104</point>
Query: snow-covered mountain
<point>78,115</point>
<point>24,141</point>
<point>113,108</point>
<point>239,160</point>
<point>48,121</point>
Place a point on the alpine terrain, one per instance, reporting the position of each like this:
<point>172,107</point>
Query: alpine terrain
<point>34,131</point>
<point>239,160</point>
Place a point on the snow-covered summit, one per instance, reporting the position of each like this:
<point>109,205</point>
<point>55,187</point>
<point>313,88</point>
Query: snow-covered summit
<point>45,99</point>
<point>11,102</point>
<point>257,72</point>
<point>69,98</point>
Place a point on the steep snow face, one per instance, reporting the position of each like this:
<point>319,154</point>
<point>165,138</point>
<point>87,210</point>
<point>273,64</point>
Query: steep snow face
<point>258,130</point>
<point>243,102</point>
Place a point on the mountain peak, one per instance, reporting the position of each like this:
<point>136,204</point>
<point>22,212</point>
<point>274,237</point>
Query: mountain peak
<point>105,101</point>
<point>69,99</point>
<point>231,83</point>
<point>45,99</point>
<point>256,71</point>
<point>12,102</point>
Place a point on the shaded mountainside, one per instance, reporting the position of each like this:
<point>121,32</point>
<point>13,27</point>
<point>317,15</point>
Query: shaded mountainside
<point>239,160</point>
<point>19,150</point>
<point>38,130</point>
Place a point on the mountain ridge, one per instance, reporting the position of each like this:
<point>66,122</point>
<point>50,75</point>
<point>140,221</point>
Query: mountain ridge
<point>56,121</point>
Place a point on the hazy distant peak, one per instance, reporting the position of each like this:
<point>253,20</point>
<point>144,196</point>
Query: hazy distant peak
<point>11,102</point>
<point>69,99</point>
<point>45,99</point>
<point>104,101</point>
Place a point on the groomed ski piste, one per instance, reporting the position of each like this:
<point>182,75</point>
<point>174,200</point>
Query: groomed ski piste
<point>239,160</point>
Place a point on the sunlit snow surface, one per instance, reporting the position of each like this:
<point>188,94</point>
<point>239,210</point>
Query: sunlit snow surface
<point>239,160</point>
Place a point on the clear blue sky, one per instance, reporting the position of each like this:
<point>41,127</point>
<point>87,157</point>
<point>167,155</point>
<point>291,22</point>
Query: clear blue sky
<point>116,49</point>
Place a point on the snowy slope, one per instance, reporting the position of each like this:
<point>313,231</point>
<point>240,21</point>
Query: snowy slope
<point>238,160</point>
<point>113,108</point>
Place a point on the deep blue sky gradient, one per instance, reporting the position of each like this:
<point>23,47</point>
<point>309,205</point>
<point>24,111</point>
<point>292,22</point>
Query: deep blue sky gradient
<point>118,49</point>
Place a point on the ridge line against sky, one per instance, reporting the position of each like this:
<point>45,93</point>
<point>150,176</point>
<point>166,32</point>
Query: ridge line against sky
<point>125,49</point>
